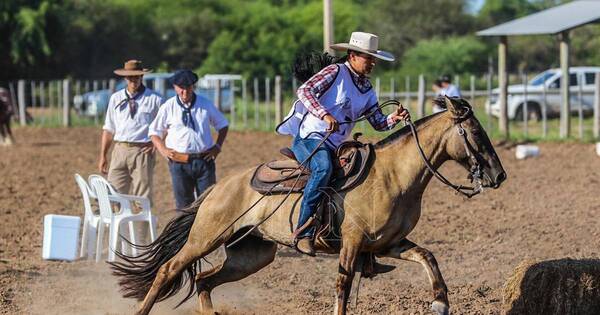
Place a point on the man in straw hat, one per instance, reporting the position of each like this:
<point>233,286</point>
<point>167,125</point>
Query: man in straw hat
<point>186,119</point>
<point>128,116</point>
<point>340,92</point>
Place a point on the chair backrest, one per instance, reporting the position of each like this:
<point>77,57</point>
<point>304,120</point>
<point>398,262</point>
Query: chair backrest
<point>102,189</point>
<point>86,193</point>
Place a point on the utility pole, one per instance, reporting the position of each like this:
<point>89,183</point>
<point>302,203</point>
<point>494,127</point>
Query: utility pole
<point>327,26</point>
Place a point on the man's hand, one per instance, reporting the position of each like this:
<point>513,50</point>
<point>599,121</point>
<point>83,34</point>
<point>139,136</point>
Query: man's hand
<point>148,149</point>
<point>334,126</point>
<point>102,165</point>
<point>400,114</point>
<point>166,152</point>
<point>212,153</point>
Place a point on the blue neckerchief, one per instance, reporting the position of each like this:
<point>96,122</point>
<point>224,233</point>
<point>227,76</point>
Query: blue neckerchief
<point>186,115</point>
<point>131,101</point>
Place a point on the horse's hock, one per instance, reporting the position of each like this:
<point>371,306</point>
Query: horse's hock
<point>564,286</point>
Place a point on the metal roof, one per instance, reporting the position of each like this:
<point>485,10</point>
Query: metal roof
<point>550,21</point>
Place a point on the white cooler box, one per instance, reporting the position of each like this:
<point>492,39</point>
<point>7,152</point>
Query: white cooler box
<point>61,235</point>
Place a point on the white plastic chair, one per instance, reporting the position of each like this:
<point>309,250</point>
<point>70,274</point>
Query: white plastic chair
<point>105,193</point>
<point>90,219</point>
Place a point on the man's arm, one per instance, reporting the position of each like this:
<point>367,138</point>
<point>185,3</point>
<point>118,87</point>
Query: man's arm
<point>159,144</point>
<point>316,85</point>
<point>105,143</point>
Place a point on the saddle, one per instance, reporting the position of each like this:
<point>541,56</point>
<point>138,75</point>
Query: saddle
<point>353,162</point>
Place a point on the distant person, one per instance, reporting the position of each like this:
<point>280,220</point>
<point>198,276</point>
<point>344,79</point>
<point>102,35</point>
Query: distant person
<point>128,116</point>
<point>443,87</point>
<point>186,120</point>
<point>6,112</point>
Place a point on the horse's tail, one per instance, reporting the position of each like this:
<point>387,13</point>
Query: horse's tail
<point>137,273</point>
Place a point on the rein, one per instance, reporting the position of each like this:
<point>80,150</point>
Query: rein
<point>475,171</point>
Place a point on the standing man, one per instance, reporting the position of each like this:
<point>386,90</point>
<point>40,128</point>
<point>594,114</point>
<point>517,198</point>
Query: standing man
<point>128,116</point>
<point>186,119</point>
<point>338,93</point>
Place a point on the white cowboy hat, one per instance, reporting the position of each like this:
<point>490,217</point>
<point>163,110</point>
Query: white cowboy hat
<point>366,43</point>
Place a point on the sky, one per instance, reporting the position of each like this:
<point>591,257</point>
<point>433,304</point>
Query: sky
<point>475,5</point>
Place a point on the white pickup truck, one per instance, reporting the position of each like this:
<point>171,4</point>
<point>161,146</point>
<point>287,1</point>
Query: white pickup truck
<point>550,79</point>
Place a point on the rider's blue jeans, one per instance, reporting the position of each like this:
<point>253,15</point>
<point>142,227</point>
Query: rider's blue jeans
<point>321,167</point>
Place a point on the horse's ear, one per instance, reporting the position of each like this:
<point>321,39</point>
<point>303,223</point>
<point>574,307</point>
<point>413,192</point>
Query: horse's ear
<point>455,106</point>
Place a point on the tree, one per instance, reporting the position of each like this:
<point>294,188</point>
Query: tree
<point>454,55</point>
<point>401,24</point>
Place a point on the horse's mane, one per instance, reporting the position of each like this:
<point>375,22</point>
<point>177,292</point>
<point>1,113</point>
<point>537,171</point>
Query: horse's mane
<point>404,131</point>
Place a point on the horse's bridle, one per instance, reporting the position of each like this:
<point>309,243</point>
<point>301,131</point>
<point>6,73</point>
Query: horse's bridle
<point>476,170</point>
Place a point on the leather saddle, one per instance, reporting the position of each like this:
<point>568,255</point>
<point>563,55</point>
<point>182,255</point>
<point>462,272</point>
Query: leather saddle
<point>351,166</point>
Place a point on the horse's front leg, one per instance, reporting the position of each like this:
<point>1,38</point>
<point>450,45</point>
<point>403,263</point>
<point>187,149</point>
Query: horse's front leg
<point>410,251</point>
<point>348,257</point>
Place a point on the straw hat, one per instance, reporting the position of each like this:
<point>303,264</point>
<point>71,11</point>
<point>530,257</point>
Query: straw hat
<point>366,43</point>
<point>132,68</point>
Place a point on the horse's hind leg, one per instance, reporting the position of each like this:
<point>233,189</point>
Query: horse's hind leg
<point>245,258</point>
<point>169,270</point>
<point>410,251</point>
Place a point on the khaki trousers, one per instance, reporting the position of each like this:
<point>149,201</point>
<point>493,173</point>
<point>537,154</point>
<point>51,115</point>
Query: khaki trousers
<point>131,170</point>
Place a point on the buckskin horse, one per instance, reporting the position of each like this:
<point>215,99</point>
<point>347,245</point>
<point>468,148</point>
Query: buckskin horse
<point>377,217</point>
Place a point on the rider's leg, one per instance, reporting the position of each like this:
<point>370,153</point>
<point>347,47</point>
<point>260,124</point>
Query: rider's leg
<point>321,167</point>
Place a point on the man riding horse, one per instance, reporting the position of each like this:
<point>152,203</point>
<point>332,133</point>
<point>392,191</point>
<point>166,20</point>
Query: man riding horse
<point>340,92</point>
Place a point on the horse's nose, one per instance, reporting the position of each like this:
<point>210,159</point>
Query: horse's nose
<point>500,178</point>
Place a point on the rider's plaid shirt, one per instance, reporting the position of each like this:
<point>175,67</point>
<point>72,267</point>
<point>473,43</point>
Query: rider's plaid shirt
<point>310,91</point>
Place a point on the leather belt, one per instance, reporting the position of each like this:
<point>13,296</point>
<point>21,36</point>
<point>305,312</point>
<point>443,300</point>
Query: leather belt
<point>133,144</point>
<point>187,157</point>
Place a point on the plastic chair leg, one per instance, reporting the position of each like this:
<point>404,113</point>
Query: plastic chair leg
<point>113,239</point>
<point>91,242</point>
<point>99,241</point>
<point>132,238</point>
<point>84,238</point>
<point>152,227</point>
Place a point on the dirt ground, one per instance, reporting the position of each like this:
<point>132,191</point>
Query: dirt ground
<point>546,209</point>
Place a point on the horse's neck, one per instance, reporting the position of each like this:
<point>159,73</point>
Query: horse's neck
<point>401,164</point>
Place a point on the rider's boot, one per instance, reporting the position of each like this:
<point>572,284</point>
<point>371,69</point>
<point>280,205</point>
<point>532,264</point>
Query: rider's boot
<point>306,246</point>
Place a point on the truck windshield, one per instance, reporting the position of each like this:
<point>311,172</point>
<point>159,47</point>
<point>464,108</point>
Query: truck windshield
<point>542,77</point>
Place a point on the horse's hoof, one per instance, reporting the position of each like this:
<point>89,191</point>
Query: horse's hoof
<point>440,308</point>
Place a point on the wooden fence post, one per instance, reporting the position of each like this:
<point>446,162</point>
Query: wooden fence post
<point>232,109</point>
<point>245,102</point>
<point>267,102</point>
<point>112,83</point>
<point>472,90</point>
<point>66,103</point>
<point>407,96</point>
<point>421,97</point>
<point>42,93</point>
<point>597,106</point>
<point>278,102</point>
<point>21,92</point>
<point>218,95</point>
<point>256,96</point>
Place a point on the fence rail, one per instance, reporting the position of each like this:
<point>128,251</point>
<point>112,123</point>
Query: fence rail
<point>260,103</point>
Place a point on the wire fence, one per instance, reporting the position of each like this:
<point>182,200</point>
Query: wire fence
<point>261,103</point>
